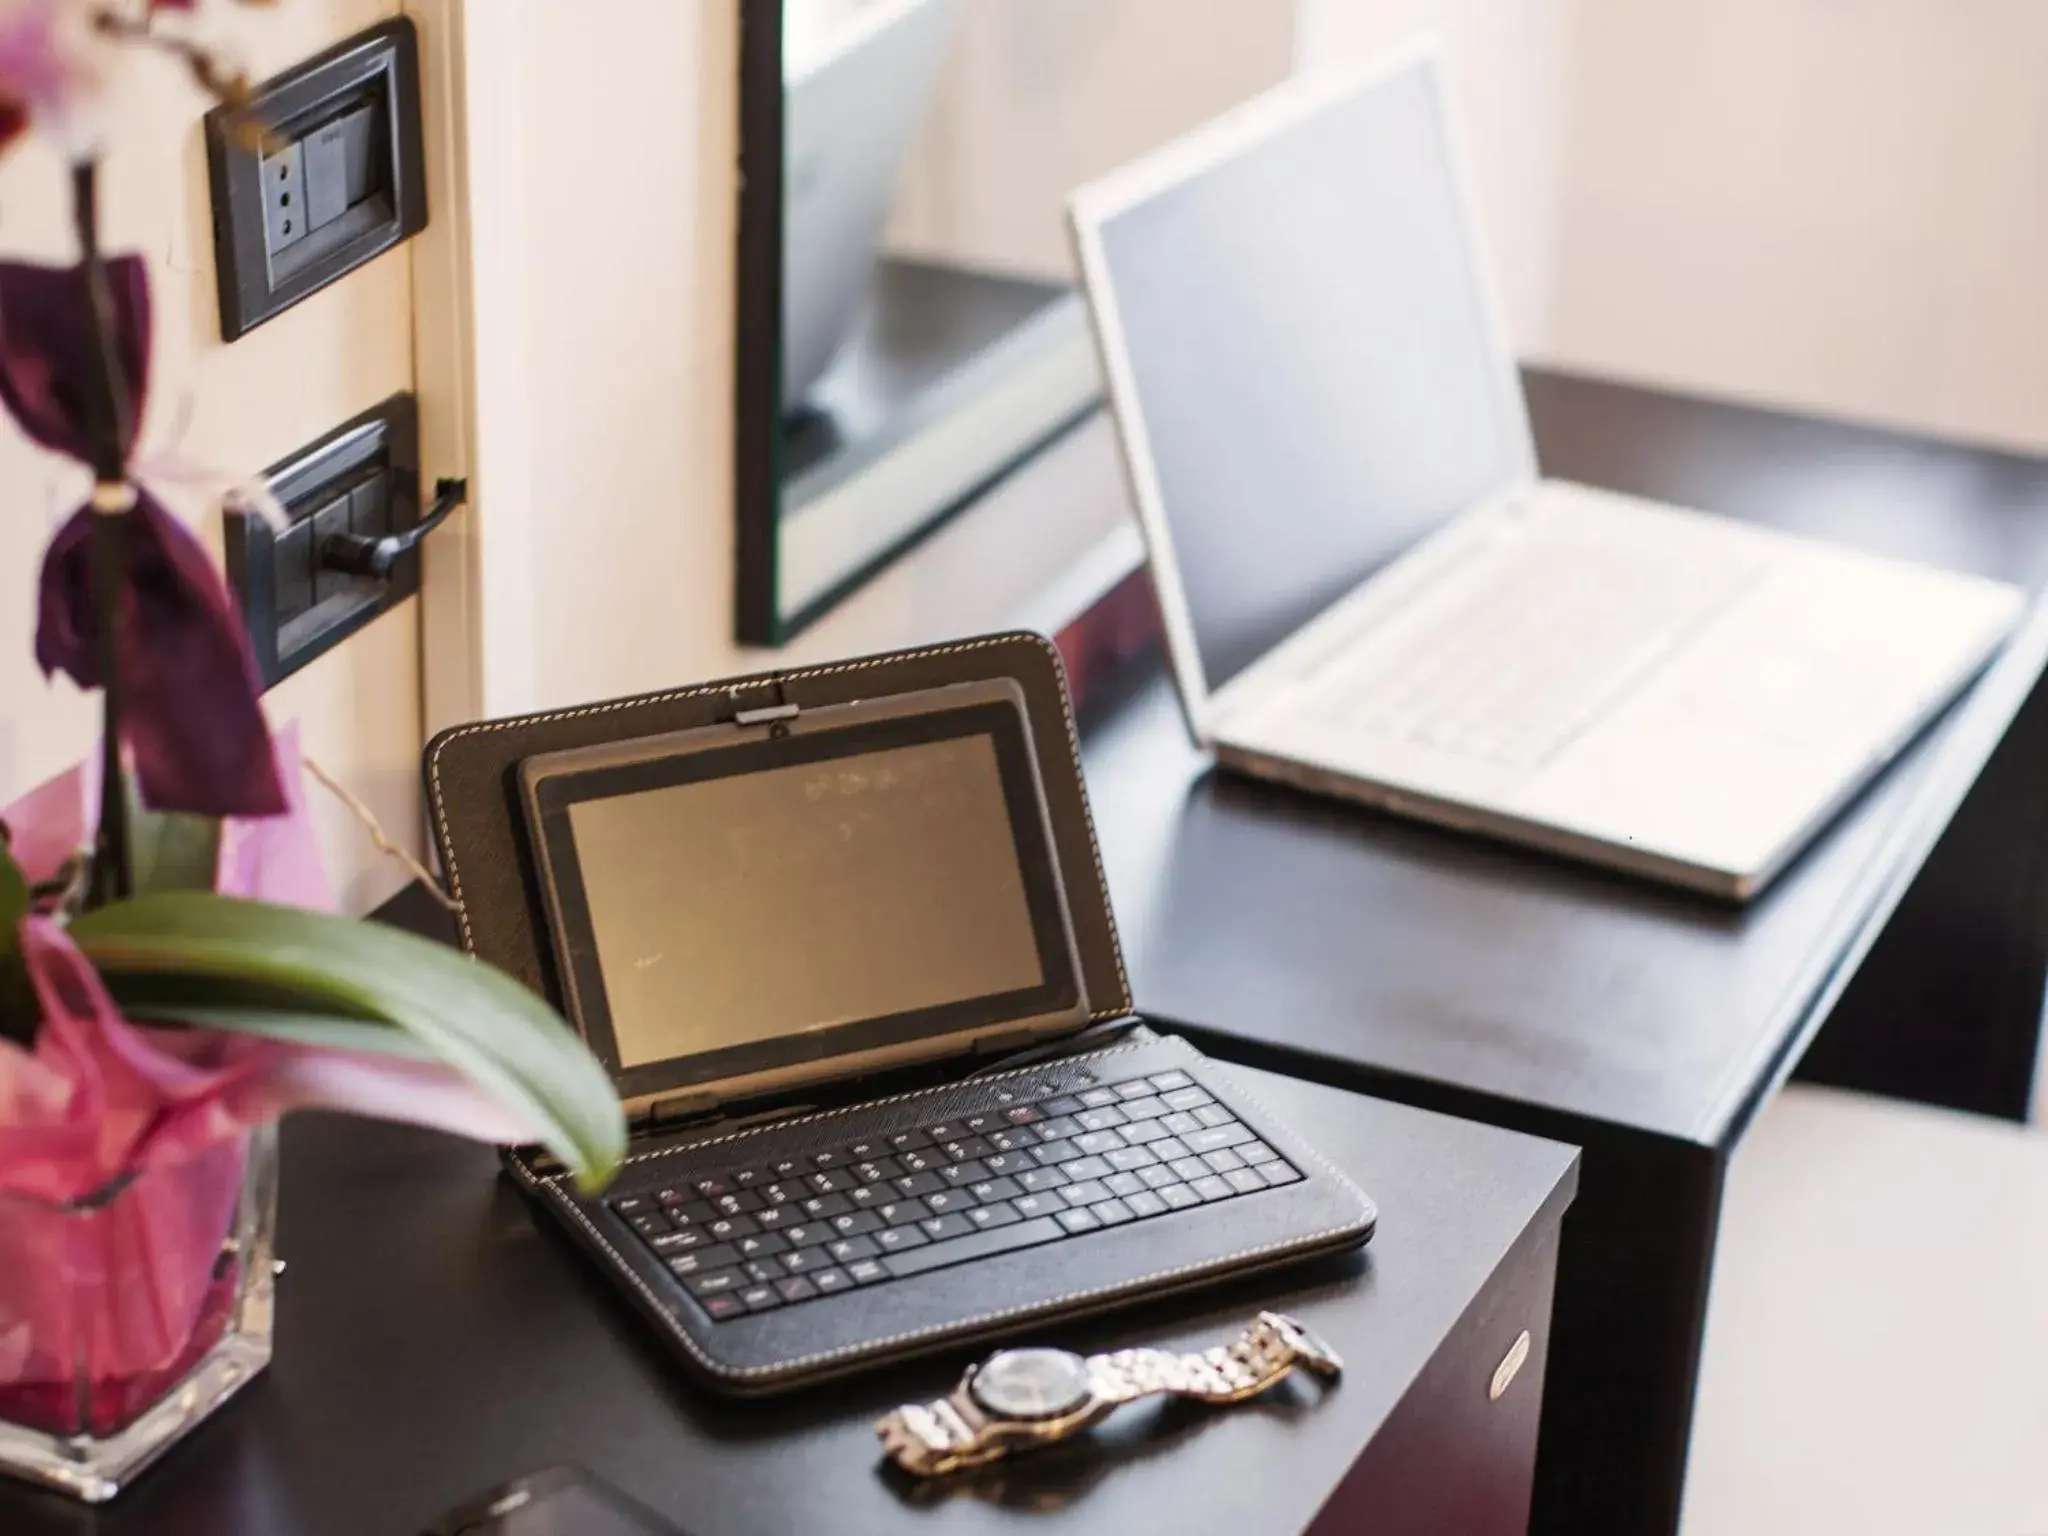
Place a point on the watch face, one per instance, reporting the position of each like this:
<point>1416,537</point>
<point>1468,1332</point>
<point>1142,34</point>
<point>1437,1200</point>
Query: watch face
<point>1306,1343</point>
<point>1031,1383</point>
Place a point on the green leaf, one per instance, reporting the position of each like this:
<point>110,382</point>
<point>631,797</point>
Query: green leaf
<point>171,850</point>
<point>314,1029</point>
<point>187,948</point>
<point>17,999</point>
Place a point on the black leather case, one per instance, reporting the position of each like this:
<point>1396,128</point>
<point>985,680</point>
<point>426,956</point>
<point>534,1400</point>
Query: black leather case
<point>479,825</point>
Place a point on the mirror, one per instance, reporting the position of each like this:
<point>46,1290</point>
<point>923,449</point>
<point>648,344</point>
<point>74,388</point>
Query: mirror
<point>908,330</point>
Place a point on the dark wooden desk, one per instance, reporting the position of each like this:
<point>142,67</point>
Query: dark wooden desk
<point>1904,954</point>
<point>433,1342</point>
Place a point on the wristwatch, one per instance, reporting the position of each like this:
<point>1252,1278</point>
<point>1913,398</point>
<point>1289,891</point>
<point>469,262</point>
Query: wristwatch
<point>1021,1398</point>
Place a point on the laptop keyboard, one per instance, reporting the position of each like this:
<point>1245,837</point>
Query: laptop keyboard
<point>755,1238</point>
<point>1511,666</point>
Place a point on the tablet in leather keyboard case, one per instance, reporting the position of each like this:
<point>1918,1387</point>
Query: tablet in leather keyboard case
<point>474,801</point>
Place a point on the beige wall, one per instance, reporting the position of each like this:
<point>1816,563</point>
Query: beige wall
<point>237,408</point>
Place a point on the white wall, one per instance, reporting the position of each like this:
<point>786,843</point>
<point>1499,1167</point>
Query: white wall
<point>235,408</point>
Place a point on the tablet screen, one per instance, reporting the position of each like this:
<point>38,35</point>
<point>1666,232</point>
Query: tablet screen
<point>756,903</point>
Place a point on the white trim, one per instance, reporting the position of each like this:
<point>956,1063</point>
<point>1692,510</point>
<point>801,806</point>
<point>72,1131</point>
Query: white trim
<point>1090,577</point>
<point>1243,128</point>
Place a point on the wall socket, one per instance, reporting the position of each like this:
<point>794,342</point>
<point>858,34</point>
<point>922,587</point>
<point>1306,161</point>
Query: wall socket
<point>284,198</point>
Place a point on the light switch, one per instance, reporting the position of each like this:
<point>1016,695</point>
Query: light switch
<point>294,572</point>
<point>369,508</point>
<point>284,198</point>
<point>338,165</point>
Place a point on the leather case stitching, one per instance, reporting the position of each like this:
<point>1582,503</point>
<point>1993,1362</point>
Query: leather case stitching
<point>676,1330</point>
<point>482,727</point>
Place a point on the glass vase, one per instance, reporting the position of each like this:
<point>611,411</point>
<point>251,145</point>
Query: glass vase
<point>130,1316</point>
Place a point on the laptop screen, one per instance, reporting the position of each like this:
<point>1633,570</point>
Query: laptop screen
<point>1311,357</point>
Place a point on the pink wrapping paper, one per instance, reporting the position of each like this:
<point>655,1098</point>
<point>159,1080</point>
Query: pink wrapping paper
<point>131,1291</point>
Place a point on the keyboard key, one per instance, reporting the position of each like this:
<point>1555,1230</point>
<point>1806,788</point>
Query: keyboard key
<point>715,1282</point>
<point>874,1170</point>
<point>768,1218</point>
<point>1095,1098</point>
<point>830,1281</point>
<point>1216,1137</point>
<point>673,1197</point>
<point>870,1194</point>
<point>900,1239</point>
<point>1047,1204</point>
<point>1158,1176</point>
<point>783,1192</point>
<point>995,1189</point>
<point>847,1249</point>
<point>738,1203</point>
<point>1189,1097</point>
<point>1276,1174</point>
<point>747,1178</point>
<point>807,1234</point>
<point>1225,1161</point>
<point>866,1272</point>
<point>1166,1082</point>
<point>831,1181</point>
<point>1031,1180</point>
<point>715,1256</point>
<point>1111,1212</point>
<point>1131,1159</point>
<point>1023,1114</point>
<point>649,1223</point>
<point>1100,1119</point>
<point>1079,1219</point>
<point>788,1168</point>
<point>1013,1140</point>
<point>854,1223</point>
<point>670,1243</point>
<point>1141,1132</point>
<point>1099,1141</point>
<point>1256,1152</point>
<point>632,1205</point>
<point>1058,1130</point>
<point>1153,1108</point>
<point>919,1184</point>
<point>944,1200</point>
<point>1065,1104</point>
<point>988,1120</point>
<point>820,1207</point>
<point>1001,1164</point>
<point>923,1160</point>
<point>1059,1152</point>
<point>796,1288</point>
<point>1211,1187</point>
<point>999,1214</point>
<point>1181,1123</point>
<point>973,1171</point>
<point>868,1151</point>
<point>762,1271</point>
<point>804,1260</point>
<point>945,1131</point>
<point>1087,1192</point>
<point>1179,1197</point>
<point>712,1188</point>
<point>1214,1114</point>
<point>761,1244</point>
<point>832,1159</point>
<point>976,1245</point>
<point>1145,1203</point>
<point>1188,1168</point>
<point>724,1229</point>
<point>971,1146</point>
<point>899,1212</point>
<point>1123,1184</point>
<point>1088,1168</point>
<point>722,1307</point>
<point>903,1141</point>
<point>945,1228</point>
<point>1167,1148</point>
<point>1244,1180</point>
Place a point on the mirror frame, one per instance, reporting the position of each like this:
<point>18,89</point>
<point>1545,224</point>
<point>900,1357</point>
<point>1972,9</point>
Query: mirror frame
<point>757,336</point>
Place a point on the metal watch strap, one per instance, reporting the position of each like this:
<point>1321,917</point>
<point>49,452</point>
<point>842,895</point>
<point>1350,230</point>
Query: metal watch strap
<point>1258,1358</point>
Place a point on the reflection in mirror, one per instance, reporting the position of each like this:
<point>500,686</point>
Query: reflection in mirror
<point>905,168</point>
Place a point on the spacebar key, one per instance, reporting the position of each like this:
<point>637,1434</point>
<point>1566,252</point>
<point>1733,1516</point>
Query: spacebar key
<point>976,1245</point>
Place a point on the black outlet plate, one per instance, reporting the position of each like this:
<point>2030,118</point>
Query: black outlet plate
<point>371,461</point>
<point>378,72</point>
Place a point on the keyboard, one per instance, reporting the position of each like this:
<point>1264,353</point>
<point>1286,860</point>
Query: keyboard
<point>1043,1169</point>
<point>1510,662</point>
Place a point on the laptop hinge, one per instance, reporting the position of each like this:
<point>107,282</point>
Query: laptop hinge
<point>672,1114</point>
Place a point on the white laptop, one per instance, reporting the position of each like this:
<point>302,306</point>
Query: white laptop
<point>857,81</point>
<point>1368,590</point>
